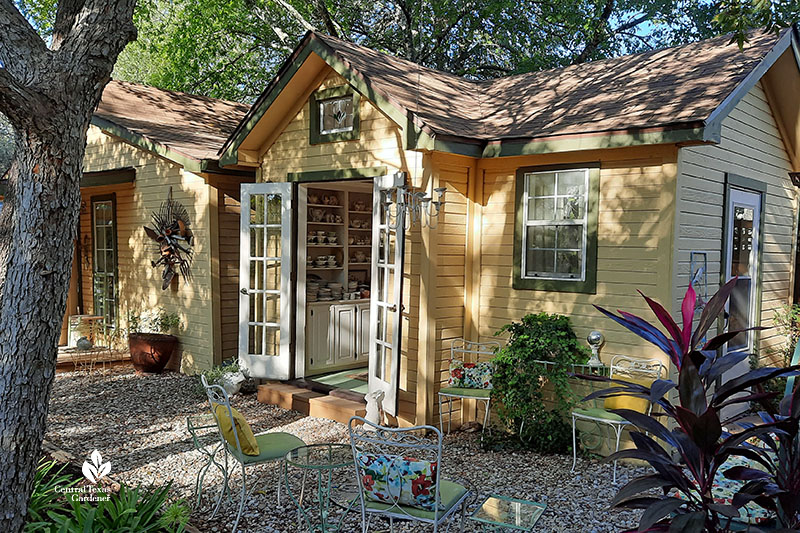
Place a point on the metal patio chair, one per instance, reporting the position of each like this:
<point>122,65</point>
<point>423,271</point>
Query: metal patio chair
<point>394,449</point>
<point>468,352</point>
<point>273,447</point>
<point>642,371</point>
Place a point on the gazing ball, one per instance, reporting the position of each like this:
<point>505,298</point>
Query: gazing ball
<point>595,339</point>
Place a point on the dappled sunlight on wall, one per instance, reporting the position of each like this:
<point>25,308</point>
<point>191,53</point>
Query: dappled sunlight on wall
<point>139,286</point>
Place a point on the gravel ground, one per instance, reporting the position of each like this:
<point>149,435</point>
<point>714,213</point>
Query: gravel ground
<point>139,424</point>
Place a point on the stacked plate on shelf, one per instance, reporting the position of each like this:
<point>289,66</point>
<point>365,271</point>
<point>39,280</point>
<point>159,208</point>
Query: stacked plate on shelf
<point>312,291</point>
<point>325,294</point>
<point>336,290</point>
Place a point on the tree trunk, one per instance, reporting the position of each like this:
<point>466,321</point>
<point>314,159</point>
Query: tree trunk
<point>38,224</point>
<point>49,96</point>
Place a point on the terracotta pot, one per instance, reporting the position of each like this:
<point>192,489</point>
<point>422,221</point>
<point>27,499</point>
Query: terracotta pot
<point>150,352</point>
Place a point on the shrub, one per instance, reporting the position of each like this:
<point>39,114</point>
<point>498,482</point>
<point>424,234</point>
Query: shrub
<point>153,321</point>
<point>214,374</point>
<point>44,497</point>
<point>520,376</point>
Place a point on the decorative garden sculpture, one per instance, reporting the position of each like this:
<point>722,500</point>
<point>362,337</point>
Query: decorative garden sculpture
<point>175,240</point>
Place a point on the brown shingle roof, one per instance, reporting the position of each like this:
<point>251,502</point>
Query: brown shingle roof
<point>194,126</point>
<point>681,85</point>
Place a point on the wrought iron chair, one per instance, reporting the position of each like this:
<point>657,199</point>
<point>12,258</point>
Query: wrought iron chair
<point>468,352</point>
<point>642,371</point>
<point>273,447</point>
<point>795,361</point>
<point>394,449</point>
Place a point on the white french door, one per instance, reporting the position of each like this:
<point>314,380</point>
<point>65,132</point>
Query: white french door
<point>743,231</point>
<point>265,279</point>
<point>386,305</point>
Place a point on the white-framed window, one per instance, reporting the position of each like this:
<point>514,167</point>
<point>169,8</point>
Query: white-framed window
<point>555,208</point>
<point>336,115</point>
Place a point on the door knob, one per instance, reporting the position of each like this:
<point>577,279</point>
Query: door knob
<point>243,290</point>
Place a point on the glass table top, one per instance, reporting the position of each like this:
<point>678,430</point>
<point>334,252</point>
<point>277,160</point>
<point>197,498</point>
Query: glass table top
<point>321,456</point>
<point>509,513</point>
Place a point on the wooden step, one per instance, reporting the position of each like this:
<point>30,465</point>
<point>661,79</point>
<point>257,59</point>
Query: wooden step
<point>333,408</point>
<point>286,396</point>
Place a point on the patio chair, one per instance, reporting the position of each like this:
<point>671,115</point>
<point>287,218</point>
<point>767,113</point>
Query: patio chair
<point>641,371</point>
<point>272,447</point>
<point>795,361</point>
<point>399,475</point>
<point>468,353</point>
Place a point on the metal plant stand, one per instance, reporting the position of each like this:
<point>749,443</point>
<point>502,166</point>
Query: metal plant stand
<point>203,429</point>
<point>323,459</point>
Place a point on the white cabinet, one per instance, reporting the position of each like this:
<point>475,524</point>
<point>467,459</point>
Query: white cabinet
<point>337,336</point>
<point>318,353</point>
<point>362,332</point>
<point>342,333</point>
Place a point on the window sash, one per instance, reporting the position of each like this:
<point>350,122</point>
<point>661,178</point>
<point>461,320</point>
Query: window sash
<point>581,222</point>
<point>322,103</point>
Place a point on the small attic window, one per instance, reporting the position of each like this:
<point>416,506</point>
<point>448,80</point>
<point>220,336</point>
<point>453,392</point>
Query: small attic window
<point>334,115</point>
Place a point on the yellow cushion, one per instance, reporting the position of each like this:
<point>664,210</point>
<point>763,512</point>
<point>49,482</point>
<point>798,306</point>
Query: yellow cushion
<point>626,401</point>
<point>246,438</point>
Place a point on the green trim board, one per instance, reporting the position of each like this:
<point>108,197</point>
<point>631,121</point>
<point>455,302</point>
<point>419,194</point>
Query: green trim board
<point>337,174</point>
<point>314,134</point>
<point>589,283</point>
<point>108,177</point>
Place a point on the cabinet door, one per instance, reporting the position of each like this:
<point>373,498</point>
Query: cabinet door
<point>317,343</point>
<point>343,333</point>
<point>362,332</point>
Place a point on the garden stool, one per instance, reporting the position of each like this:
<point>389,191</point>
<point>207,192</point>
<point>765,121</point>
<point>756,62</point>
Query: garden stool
<point>470,379</point>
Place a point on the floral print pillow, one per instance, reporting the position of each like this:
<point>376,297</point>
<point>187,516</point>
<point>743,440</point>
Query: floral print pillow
<point>395,479</point>
<point>470,375</point>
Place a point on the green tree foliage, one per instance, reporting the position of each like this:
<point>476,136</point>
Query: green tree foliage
<point>232,48</point>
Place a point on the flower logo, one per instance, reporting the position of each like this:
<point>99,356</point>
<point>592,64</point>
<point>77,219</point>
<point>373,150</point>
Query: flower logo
<point>95,470</point>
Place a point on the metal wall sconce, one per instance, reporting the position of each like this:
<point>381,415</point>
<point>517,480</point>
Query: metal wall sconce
<point>404,206</point>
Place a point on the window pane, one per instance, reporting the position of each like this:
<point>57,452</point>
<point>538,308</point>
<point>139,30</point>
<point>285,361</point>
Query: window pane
<point>742,248</point>
<point>572,183</point>
<point>570,207</point>
<point>274,207</point>
<point>539,261</point>
<point>570,237</point>
<point>336,114</point>
<point>541,184</point>
<point>542,237</point>
<point>568,263</point>
<point>740,313</point>
<point>540,209</point>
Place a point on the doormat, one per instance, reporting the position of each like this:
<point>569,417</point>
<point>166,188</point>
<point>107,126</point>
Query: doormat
<point>361,376</point>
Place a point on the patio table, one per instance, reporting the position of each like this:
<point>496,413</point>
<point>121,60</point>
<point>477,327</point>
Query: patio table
<point>323,459</point>
<point>497,513</point>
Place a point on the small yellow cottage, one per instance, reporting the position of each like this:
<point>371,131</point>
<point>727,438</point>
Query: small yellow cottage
<point>142,142</point>
<point>563,189</point>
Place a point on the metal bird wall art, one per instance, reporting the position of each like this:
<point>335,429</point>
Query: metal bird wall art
<point>174,239</point>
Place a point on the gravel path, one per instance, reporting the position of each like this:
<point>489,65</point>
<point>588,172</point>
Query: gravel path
<point>139,424</point>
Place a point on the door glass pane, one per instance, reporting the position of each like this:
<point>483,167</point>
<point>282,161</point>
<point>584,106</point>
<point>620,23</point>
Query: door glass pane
<point>742,241</point>
<point>272,280</point>
<point>274,208</point>
<point>273,242</point>
<point>387,365</point>
<point>740,313</point>
<point>257,209</point>
<point>272,338</point>
<point>257,242</point>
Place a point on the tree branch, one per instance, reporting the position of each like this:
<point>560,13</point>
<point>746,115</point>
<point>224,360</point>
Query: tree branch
<point>19,102</point>
<point>65,18</point>
<point>325,16</point>
<point>21,48</point>
<point>296,14</point>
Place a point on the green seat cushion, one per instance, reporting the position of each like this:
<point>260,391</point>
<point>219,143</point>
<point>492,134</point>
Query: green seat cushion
<point>450,493</point>
<point>272,446</point>
<point>597,412</point>
<point>473,393</point>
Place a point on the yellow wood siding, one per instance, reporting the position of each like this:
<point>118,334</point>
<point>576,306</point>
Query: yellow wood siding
<point>139,285</point>
<point>635,217</point>
<point>751,147</point>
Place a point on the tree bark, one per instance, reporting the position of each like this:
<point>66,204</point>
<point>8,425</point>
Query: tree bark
<point>49,96</point>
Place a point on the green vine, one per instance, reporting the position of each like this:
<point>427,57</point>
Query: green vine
<point>533,397</point>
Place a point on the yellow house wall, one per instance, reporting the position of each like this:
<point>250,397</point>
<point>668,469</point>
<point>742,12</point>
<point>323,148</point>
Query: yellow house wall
<point>751,147</point>
<point>636,209</point>
<point>139,285</point>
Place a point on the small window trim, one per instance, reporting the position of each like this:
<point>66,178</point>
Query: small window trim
<point>314,109</point>
<point>588,282</point>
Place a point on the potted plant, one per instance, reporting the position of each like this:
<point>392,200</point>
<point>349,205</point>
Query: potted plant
<point>149,341</point>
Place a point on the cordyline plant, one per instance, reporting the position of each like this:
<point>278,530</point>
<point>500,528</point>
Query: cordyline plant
<point>698,438</point>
